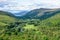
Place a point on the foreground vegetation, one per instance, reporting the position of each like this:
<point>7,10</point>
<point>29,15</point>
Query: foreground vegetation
<point>29,29</point>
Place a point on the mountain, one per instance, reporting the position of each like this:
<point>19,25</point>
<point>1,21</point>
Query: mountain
<point>6,13</point>
<point>32,28</point>
<point>21,13</point>
<point>41,13</point>
<point>6,17</point>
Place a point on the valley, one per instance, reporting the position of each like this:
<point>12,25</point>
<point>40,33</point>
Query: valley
<point>38,24</point>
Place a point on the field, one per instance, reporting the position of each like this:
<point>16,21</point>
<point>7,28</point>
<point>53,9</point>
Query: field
<point>29,29</point>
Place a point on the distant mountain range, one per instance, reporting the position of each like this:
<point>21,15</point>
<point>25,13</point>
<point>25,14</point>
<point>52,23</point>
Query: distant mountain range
<point>22,13</point>
<point>41,13</point>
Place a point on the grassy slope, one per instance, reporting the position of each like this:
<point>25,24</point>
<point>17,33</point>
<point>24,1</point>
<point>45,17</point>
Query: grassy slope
<point>5,19</point>
<point>47,29</point>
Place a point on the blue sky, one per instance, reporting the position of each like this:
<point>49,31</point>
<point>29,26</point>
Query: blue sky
<point>17,5</point>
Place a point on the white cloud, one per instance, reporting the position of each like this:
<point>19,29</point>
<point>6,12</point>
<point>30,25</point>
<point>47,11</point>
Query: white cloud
<point>28,4</point>
<point>2,0</point>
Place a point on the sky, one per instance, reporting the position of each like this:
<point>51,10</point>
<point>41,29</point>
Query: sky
<point>19,5</point>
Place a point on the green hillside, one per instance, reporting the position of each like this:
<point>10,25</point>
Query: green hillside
<point>6,17</point>
<point>5,20</point>
<point>41,13</point>
<point>30,29</point>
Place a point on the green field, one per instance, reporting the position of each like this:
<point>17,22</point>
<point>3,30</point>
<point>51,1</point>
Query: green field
<point>29,29</point>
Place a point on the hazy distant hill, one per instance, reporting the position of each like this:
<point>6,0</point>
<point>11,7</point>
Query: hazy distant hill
<point>41,13</point>
<point>21,13</point>
<point>6,13</point>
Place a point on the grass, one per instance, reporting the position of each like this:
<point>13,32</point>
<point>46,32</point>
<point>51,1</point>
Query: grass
<point>48,29</point>
<point>29,27</point>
